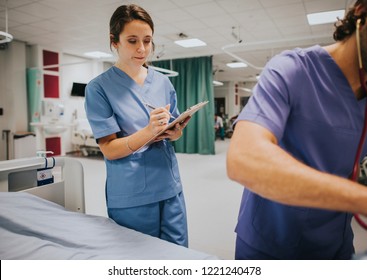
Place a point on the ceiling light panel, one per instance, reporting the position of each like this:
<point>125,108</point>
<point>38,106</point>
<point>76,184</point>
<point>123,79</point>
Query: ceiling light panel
<point>190,43</point>
<point>237,65</point>
<point>325,17</point>
<point>98,54</point>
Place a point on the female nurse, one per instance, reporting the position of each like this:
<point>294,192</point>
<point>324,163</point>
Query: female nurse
<point>143,185</point>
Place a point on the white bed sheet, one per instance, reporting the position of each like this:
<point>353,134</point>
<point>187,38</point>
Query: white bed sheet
<point>34,228</point>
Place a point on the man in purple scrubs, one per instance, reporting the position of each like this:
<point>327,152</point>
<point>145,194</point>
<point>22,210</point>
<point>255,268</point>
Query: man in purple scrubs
<point>293,149</point>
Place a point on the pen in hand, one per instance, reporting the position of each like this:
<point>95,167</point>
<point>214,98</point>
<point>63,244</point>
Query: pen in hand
<point>153,108</point>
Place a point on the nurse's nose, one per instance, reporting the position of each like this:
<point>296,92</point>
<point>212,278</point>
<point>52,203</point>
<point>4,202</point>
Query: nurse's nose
<point>141,47</point>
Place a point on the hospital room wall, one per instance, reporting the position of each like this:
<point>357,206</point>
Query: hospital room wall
<point>13,91</point>
<point>13,94</point>
<point>79,70</point>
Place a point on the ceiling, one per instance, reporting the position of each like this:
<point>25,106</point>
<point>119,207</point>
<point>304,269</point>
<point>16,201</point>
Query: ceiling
<point>264,27</point>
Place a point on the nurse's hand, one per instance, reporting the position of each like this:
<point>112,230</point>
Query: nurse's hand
<point>159,119</point>
<point>175,133</point>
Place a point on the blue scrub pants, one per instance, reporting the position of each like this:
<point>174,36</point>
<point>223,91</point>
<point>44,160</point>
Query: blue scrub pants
<point>165,219</point>
<point>246,252</point>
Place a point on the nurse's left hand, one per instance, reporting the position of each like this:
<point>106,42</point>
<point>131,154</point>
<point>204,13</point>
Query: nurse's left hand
<point>174,133</point>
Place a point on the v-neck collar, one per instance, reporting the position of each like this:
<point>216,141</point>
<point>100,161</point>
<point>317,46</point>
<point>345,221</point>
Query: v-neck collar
<point>140,91</point>
<point>147,80</point>
<point>348,92</point>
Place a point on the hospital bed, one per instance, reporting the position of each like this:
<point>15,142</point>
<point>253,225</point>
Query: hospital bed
<point>43,218</point>
<point>82,137</point>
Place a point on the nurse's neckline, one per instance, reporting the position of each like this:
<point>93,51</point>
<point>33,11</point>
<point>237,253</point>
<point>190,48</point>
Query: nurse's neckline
<point>139,77</point>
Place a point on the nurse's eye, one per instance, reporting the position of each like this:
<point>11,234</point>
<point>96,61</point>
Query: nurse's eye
<point>131,41</point>
<point>148,41</point>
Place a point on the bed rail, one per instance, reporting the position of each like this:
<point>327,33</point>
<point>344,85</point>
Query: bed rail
<point>67,189</point>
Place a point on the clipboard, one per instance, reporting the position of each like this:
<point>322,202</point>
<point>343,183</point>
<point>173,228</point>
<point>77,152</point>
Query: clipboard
<point>188,113</point>
<point>181,118</point>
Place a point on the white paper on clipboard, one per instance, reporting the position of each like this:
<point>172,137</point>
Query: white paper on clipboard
<point>182,117</point>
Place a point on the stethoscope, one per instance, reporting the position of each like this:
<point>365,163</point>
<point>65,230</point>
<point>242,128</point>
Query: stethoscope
<point>355,172</point>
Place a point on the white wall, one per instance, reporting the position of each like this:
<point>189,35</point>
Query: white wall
<point>13,93</point>
<point>71,69</point>
<point>79,70</point>
<point>13,89</point>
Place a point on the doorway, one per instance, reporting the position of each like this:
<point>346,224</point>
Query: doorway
<point>219,106</point>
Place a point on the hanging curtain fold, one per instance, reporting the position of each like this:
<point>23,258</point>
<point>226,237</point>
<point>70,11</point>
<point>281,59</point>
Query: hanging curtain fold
<point>193,85</point>
<point>34,91</point>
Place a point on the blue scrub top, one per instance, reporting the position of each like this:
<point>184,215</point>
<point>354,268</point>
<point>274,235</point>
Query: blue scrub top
<point>304,99</point>
<point>114,103</point>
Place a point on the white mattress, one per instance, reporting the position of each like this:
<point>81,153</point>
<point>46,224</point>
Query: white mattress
<point>34,228</point>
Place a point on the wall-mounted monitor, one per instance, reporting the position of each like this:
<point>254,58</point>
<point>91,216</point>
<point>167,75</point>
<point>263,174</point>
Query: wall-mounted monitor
<point>78,89</point>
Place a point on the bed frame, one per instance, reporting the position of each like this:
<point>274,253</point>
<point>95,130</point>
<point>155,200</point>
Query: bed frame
<point>67,188</point>
<point>33,228</point>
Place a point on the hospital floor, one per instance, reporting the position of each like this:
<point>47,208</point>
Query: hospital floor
<point>212,200</point>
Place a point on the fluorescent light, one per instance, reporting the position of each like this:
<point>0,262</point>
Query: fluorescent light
<point>190,43</point>
<point>217,83</point>
<point>5,37</point>
<point>98,54</point>
<point>325,17</point>
<point>245,89</point>
<point>237,65</point>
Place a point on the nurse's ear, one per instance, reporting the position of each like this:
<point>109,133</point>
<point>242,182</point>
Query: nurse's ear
<point>114,40</point>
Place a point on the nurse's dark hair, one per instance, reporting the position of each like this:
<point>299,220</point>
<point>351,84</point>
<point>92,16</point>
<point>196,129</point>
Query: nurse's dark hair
<point>347,26</point>
<point>125,14</point>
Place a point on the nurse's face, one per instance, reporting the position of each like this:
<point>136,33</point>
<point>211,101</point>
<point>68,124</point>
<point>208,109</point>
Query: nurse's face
<point>135,43</point>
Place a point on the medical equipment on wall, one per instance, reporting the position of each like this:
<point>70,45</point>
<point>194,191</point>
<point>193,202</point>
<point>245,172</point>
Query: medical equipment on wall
<point>356,165</point>
<point>52,110</point>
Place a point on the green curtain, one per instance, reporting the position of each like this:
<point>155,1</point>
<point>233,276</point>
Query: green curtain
<point>34,90</point>
<point>193,85</point>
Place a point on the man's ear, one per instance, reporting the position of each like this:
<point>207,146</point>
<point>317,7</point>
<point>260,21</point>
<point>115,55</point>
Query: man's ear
<point>360,9</point>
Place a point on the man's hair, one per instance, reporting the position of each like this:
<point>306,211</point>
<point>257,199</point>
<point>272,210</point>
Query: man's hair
<point>347,26</point>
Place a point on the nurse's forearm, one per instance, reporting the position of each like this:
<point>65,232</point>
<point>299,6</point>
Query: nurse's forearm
<point>140,138</point>
<point>115,148</point>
